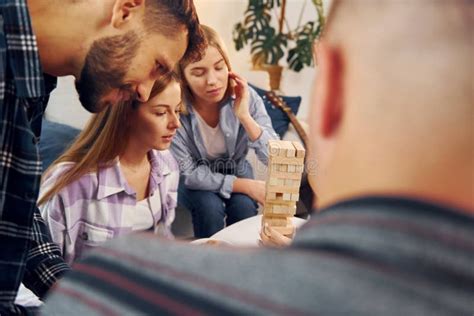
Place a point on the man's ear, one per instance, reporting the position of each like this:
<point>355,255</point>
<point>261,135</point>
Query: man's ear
<point>328,96</point>
<point>125,10</point>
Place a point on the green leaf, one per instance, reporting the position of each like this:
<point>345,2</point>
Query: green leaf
<point>239,35</point>
<point>257,17</point>
<point>270,45</point>
<point>301,55</point>
<point>272,3</point>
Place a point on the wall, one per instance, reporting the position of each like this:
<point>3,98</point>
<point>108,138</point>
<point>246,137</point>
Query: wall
<point>222,15</point>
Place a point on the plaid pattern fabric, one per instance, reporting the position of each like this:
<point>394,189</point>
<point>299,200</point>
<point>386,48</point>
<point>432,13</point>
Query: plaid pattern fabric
<point>27,253</point>
<point>101,205</point>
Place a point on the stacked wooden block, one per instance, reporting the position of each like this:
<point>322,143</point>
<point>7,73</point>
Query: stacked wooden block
<point>285,168</point>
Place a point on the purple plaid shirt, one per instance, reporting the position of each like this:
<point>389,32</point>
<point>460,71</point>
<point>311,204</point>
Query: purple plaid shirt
<point>100,205</point>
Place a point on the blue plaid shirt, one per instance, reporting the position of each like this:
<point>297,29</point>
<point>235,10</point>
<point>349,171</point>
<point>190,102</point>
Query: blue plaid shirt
<point>27,253</point>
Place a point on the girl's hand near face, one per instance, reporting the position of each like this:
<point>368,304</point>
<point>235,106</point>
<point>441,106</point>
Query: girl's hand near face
<point>241,106</point>
<point>241,90</point>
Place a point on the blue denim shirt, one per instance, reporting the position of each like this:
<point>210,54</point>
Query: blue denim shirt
<point>219,175</point>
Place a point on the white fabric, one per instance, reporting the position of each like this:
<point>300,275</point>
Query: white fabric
<point>245,233</point>
<point>142,218</point>
<point>27,298</point>
<point>213,138</point>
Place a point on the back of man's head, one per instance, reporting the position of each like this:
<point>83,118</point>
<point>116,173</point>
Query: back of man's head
<point>394,101</point>
<point>167,16</point>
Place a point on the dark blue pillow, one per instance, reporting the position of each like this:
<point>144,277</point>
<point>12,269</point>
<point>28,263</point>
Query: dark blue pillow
<point>280,120</point>
<point>54,140</point>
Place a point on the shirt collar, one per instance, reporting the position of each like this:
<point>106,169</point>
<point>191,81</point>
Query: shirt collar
<point>111,181</point>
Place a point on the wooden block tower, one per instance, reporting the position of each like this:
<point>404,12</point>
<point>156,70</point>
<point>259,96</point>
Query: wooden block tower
<point>285,168</point>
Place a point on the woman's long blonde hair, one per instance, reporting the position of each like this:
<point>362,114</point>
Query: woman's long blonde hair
<point>212,38</point>
<point>100,142</point>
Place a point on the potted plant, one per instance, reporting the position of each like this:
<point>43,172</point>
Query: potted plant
<point>270,41</point>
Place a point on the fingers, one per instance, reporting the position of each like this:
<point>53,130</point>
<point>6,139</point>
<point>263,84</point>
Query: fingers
<point>270,242</point>
<point>238,79</point>
<point>280,239</point>
<point>275,239</point>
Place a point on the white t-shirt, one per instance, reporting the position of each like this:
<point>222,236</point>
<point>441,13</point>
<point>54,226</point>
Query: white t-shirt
<point>213,138</point>
<point>142,217</point>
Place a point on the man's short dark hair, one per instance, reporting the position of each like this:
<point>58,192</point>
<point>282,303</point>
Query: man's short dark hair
<point>166,17</point>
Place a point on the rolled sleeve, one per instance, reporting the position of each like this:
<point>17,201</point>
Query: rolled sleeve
<point>227,186</point>
<point>44,264</point>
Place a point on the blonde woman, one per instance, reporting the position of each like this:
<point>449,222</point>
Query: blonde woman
<point>118,176</point>
<point>224,118</point>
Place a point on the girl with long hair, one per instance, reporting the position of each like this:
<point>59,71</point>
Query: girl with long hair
<point>118,176</point>
<point>223,118</point>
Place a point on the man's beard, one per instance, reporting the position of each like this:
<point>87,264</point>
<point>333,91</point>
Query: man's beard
<point>105,68</point>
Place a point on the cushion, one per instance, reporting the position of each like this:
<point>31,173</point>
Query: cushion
<point>280,120</point>
<point>55,138</point>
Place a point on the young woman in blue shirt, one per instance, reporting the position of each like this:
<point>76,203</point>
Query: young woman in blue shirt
<point>223,119</point>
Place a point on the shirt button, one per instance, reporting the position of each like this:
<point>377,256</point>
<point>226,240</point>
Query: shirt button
<point>84,236</point>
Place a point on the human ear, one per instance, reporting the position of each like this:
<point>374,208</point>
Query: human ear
<point>125,10</point>
<point>328,95</point>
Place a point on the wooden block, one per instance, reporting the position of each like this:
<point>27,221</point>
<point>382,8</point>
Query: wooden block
<point>276,221</point>
<point>281,148</point>
<point>300,151</point>
<point>282,189</point>
<point>291,168</point>
<point>272,213</point>
<point>289,148</point>
<point>295,197</point>
<point>284,175</point>
<point>287,231</point>
<point>280,216</point>
<point>269,211</point>
<point>288,182</point>
<point>278,200</point>
<point>287,196</point>
<point>273,198</point>
<point>283,168</point>
<point>270,196</point>
<point>287,161</point>
<point>283,209</point>
<point>279,210</point>
<point>299,168</point>
<point>273,167</point>
<point>274,147</point>
<point>274,181</point>
<point>297,183</point>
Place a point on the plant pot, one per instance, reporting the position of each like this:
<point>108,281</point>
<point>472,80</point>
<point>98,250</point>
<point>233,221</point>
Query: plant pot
<point>274,72</point>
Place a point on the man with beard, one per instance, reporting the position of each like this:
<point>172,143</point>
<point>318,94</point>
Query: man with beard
<point>116,49</point>
<point>392,133</point>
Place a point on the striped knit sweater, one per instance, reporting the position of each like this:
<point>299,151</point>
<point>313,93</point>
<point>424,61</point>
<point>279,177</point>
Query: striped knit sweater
<point>370,256</point>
